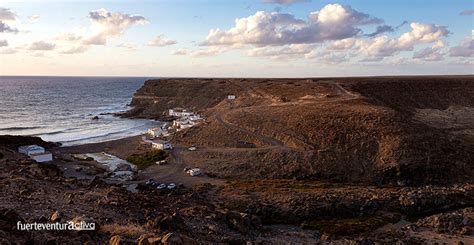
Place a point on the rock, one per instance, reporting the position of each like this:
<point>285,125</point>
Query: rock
<point>143,239</point>
<point>457,222</point>
<point>95,118</point>
<point>168,222</point>
<point>115,240</point>
<point>177,239</point>
<point>55,216</point>
<point>242,222</point>
<point>9,219</point>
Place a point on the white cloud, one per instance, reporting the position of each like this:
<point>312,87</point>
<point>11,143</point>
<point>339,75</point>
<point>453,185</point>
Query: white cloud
<point>34,18</point>
<point>383,46</point>
<point>75,50</point>
<point>434,53</point>
<point>41,45</point>
<point>181,51</point>
<point>161,41</point>
<point>7,15</point>
<point>332,22</point>
<point>106,25</point>
<point>8,51</point>
<point>129,46</point>
<point>464,49</point>
<point>467,12</point>
<point>212,51</point>
<point>3,43</point>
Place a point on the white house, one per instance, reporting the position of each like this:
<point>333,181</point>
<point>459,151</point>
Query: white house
<point>161,145</point>
<point>179,112</point>
<point>231,97</point>
<point>42,157</point>
<point>30,149</point>
<point>183,123</point>
<point>154,132</point>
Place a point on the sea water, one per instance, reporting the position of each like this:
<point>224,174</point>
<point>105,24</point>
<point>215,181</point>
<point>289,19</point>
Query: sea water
<point>61,109</point>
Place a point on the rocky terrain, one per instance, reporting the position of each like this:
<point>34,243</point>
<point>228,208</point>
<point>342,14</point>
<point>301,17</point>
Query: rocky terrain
<point>382,130</point>
<point>291,161</point>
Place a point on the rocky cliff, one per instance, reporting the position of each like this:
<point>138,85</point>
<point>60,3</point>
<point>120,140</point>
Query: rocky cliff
<point>399,130</point>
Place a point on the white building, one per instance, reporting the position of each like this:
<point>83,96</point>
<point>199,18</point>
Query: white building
<point>30,149</point>
<point>183,123</point>
<point>42,157</point>
<point>154,132</point>
<point>36,153</point>
<point>231,97</point>
<point>179,112</point>
<point>161,145</point>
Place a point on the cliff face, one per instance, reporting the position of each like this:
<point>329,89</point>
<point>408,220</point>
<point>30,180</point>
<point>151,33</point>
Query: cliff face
<point>409,130</point>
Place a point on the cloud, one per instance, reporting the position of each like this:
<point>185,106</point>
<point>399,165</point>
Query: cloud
<point>129,46</point>
<point>286,52</point>
<point>161,41</point>
<point>3,43</point>
<point>332,22</point>
<point>8,51</point>
<point>75,50</point>
<point>382,46</point>
<point>41,45</point>
<point>34,18</point>
<point>212,51</point>
<point>380,30</point>
<point>106,25</point>
<point>464,49</point>
<point>285,2</point>
<point>433,53</point>
<point>6,14</point>
<point>467,12</point>
<point>6,28</point>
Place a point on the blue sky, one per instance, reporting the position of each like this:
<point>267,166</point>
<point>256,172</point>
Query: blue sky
<point>276,40</point>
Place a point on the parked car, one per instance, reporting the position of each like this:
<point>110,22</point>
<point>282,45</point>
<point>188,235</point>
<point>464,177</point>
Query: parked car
<point>171,186</point>
<point>194,172</point>
<point>150,182</point>
<point>192,148</point>
<point>162,162</point>
<point>161,186</point>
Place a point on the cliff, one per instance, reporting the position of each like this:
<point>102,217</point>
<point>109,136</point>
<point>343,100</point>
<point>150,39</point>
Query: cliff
<point>399,130</point>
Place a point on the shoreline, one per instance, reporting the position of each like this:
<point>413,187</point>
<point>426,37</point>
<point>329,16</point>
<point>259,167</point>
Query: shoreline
<point>118,147</point>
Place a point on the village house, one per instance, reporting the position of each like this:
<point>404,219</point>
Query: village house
<point>179,112</point>
<point>183,123</point>
<point>35,152</point>
<point>154,132</point>
<point>161,145</point>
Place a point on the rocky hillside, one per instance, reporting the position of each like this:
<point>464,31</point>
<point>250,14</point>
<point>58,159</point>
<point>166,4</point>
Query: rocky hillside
<point>380,130</point>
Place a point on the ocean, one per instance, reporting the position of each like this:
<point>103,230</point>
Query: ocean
<point>61,109</point>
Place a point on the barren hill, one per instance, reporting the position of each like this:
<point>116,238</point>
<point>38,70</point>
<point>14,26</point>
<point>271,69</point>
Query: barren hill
<point>403,130</point>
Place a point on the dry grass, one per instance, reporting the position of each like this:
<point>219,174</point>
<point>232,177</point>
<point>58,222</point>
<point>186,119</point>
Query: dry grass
<point>127,230</point>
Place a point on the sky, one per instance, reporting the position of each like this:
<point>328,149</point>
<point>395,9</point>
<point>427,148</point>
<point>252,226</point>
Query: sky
<point>241,38</point>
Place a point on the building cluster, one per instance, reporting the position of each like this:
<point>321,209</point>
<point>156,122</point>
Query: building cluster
<point>184,119</point>
<point>36,152</point>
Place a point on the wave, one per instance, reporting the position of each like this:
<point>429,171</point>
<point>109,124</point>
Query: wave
<point>19,128</point>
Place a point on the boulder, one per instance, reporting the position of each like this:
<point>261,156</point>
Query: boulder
<point>9,219</point>
<point>115,240</point>
<point>177,239</point>
<point>55,216</point>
